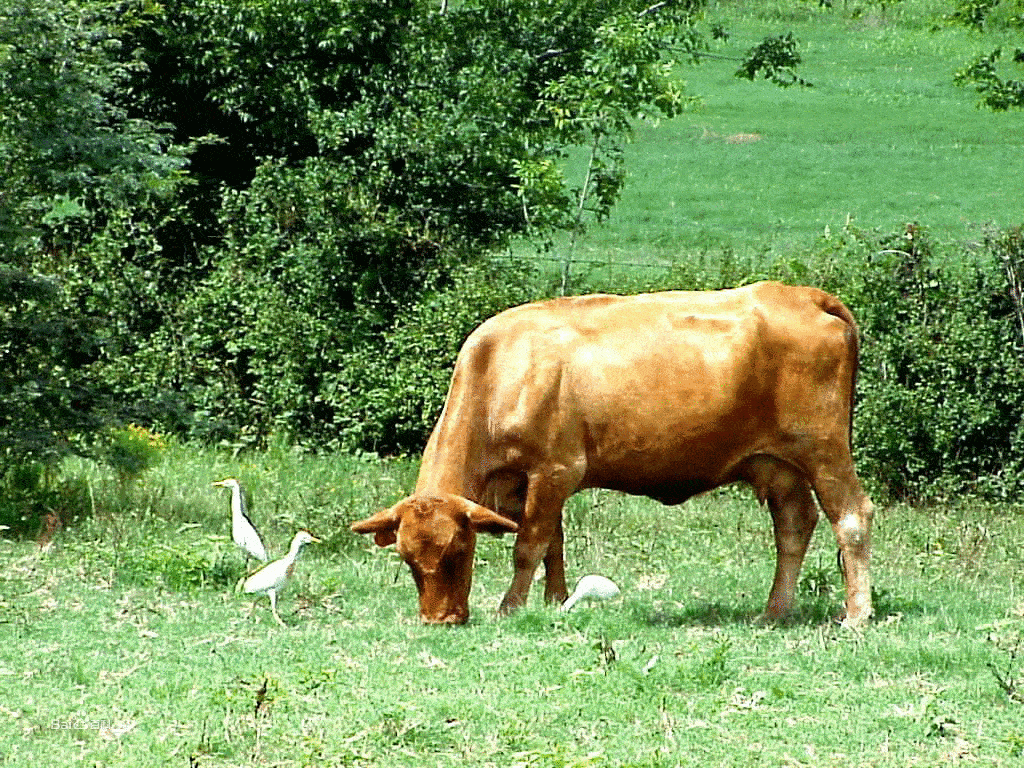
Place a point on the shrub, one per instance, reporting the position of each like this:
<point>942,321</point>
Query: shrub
<point>941,388</point>
<point>387,395</point>
<point>940,396</point>
<point>32,490</point>
<point>132,450</point>
<point>50,397</point>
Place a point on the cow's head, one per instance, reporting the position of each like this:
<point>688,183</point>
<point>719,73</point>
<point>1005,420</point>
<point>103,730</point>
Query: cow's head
<point>436,536</point>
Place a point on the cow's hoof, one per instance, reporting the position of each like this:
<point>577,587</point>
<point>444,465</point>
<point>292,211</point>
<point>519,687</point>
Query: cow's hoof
<point>767,619</point>
<point>508,607</point>
<point>852,622</point>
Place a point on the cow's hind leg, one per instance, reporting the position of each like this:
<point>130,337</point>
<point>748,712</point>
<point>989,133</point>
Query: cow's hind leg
<point>850,511</point>
<point>538,529</point>
<point>794,517</point>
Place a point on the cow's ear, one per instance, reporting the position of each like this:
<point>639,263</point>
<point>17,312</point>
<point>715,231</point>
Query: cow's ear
<point>485,521</point>
<point>383,526</point>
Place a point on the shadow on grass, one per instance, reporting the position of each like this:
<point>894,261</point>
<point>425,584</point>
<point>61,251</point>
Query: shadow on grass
<point>807,613</point>
<point>888,606</point>
<point>696,614</point>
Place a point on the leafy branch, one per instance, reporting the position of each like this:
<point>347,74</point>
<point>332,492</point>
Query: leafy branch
<point>1009,681</point>
<point>776,58</point>
<point>1012,687</point>
<point>997,93</point>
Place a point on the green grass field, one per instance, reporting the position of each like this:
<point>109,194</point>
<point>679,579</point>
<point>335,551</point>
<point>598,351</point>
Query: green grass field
<point>883,138</point>
<point>125,644</point>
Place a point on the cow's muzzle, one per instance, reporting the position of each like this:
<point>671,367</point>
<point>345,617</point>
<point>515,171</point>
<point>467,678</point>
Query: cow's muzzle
<point>456,617</point>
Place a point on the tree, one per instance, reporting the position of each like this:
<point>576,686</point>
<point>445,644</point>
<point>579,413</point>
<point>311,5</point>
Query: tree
<point>348,160</point>
<point>365,150</point>
<point>997,92</point>
<point>86,187</point>
<point>47,401</point>
<point>71,154</point>
<point>451,120</point>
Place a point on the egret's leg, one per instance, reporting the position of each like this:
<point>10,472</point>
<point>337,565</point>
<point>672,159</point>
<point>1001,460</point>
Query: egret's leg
<point>273,606</point>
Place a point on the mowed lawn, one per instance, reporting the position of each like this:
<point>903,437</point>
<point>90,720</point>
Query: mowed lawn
<point>883,138</point>
<point>125,645</point>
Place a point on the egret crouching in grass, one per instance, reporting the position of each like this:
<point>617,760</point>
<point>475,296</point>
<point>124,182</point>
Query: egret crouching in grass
<point>271,578</point>
<point>242,530</point>
<point>591,587</point>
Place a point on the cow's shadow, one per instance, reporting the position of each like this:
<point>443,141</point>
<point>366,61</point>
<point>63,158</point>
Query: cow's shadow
<point>811,612</point>
<point>696,614</point>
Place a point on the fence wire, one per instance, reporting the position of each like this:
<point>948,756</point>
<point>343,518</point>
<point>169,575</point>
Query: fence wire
<point>614,271</point>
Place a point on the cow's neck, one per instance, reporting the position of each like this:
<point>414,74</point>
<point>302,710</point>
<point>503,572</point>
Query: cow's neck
<point>451,464</point>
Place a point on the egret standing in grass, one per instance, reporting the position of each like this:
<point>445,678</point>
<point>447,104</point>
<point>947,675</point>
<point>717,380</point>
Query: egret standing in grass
<point>242,530</point>
<point>271,578</point>
<point>592,587</point>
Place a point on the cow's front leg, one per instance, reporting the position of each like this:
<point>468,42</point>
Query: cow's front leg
<point>555,588</point>
<point>541,520</point>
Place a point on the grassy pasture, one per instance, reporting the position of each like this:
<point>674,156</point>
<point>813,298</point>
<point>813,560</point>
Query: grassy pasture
<point>883,138</point>
<point>125,645</point>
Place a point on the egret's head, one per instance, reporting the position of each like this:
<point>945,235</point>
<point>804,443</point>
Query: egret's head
<point>302,538</point>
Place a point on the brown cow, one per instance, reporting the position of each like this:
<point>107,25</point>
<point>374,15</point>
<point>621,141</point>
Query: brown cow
<point>665,395</point>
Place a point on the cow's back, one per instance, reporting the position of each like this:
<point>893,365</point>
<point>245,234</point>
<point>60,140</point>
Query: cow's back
<point>662,394</point>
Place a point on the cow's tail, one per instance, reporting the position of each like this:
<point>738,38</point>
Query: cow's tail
<point>833,306</point>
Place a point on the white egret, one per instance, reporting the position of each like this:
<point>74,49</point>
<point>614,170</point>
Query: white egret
<point>592,587</point>
<point>242,530</point>
<point>271,578</point>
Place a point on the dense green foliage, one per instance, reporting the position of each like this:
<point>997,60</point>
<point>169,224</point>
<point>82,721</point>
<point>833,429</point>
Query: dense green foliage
<point>941,389</point>
<point>344,159</point>
<point>42,383</point>
<point>940,393</point>
<point>85,187</point>
<point>77,165</point>
<point>370,150</point>
<point>242,219</point>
